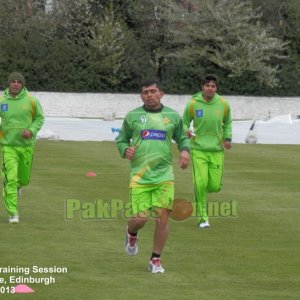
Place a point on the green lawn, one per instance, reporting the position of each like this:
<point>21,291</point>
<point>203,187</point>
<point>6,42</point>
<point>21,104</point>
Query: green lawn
<point>251,255</point>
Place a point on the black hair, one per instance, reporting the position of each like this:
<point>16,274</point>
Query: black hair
<point>149,82</point>
<point>208,78</point>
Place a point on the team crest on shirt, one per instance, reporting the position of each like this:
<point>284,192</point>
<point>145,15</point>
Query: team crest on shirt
<point>4,107</point>
<point>199,113</point>
<point>143,119</point>
<point>166,120</point>
<point>151,134</point>
<point>25,106</point>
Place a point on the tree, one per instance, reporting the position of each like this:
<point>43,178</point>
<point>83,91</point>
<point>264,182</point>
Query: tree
<point>74,19</point>
<point>111,45</point>
<point>230,35</point>
<point>108,45</point>
<point>227,33</point>
<point>284,17</point>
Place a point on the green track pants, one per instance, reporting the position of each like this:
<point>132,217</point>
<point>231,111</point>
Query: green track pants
<point>207,176</point>
<point>16,169</point>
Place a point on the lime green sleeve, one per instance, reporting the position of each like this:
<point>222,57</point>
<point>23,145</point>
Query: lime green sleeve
<point>181,138</point>
<point>38,117</point>
<point>124,137</point>
<point>187,117</point>
<point>227,125</point>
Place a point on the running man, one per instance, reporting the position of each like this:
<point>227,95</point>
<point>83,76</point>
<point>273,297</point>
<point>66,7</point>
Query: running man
<point>21,118</point>
<point>146,140</point>
<point>212,124</point>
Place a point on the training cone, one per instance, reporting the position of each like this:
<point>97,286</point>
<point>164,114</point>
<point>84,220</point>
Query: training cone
<point>23,289</point>
<point>91,174</point>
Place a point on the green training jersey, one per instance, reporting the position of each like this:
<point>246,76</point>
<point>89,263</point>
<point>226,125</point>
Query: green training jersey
<point>152,132</point>
<point>19,113</point>
<point>212,122</point>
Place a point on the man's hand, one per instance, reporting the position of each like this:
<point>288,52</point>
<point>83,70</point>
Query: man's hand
<point>26,134</point>
<point>184,158</point>
<point>226,145</point>
<point>129,153</point>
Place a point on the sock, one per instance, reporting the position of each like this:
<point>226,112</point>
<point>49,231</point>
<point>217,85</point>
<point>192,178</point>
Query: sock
<point>155,255</point>
<point>132,234</point>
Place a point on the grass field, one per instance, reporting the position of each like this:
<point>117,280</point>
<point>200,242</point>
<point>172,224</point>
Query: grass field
<point>253,255</point>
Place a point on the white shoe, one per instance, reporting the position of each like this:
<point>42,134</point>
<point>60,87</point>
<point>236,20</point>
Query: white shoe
<point>155,266</point>
<point>130,245</point>
<point>13,219</point>
<point>204,225</point>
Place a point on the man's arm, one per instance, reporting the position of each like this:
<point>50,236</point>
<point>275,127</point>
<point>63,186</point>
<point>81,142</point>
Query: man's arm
<point>183,143</point>
<point>38,119</point>
<point>227,128</point>
<point>123,141</point>
<point>187,116</point>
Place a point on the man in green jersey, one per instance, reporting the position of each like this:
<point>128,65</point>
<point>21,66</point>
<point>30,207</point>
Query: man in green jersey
<point>212,132</point>
<point>21,118</point>
<point>146,140</point>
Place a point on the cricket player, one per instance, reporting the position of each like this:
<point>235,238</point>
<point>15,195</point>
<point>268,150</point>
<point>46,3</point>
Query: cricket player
<point>212,132</point>
<point>146,140</point>
<point>21,118</point>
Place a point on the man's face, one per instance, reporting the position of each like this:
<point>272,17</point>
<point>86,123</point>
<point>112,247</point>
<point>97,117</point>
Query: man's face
<point>151,96</point>
<point>209,90</point>
<point>15,87</point>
